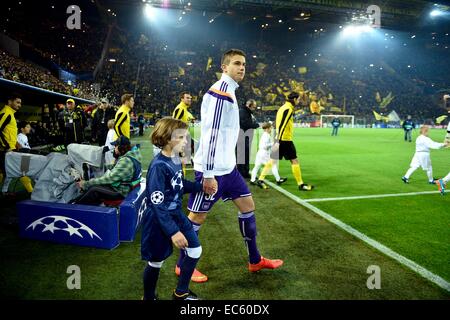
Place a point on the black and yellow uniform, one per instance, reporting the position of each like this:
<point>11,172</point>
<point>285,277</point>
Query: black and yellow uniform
<point>8,142</point>
<point>285,132</point>
<point>8,129</point>
<point>122,122</point>
<point>181,113</point>
<point>285,127</point>
<point>74,123</point>
<point>8,135</point>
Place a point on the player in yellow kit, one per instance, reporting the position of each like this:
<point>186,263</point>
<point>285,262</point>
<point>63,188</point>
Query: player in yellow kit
<point>8,136</point>
<point>284,146</point>
<point>122,118</point>
<point>182,113</point>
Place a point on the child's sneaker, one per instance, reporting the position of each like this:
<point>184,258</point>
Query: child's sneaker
<point>185,296</point>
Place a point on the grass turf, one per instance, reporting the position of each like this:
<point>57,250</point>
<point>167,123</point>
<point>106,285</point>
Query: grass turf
<point>321,261</point>
<point>362,162</point>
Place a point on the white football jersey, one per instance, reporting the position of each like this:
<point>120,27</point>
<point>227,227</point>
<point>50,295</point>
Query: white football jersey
<point>264,148</point>
<point>219,129</point>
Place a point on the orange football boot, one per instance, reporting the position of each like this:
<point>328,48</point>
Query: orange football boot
<point>197,276</point>
<point>265,264</point>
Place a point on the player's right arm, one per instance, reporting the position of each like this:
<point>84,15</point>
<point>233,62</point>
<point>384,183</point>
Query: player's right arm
<point>4,121</point>
<point>118,123</point>
<point>157,199</point>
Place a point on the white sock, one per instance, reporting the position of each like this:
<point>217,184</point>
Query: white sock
<point>410,172</point>
<point>275,171</point>
<point>430,175</point>
<point>255,172</point>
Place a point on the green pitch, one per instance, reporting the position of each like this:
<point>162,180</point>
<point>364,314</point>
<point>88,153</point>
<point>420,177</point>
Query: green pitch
<point>321,260</point>
<point>363,162</point>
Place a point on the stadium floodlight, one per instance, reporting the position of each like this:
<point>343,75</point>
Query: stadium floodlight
<point>352,30</point>
<point>149,11</point>
<point>436,13</point>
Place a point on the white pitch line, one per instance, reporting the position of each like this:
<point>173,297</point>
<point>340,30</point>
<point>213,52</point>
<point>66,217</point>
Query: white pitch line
<point>372,196</point>
<point>371,242</point>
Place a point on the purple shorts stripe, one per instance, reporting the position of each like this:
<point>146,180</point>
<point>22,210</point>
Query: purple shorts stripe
<point>230,186</point>
<point>195,200</point>
<point>199,200</point>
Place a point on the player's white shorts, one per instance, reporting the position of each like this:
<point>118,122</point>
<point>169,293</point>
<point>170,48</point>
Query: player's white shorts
<point>421,159</point>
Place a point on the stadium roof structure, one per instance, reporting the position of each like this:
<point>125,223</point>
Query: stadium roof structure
<point>394,12</point>
<point>395,9</point>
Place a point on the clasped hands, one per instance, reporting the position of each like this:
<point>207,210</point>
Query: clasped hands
<point>210,186</point>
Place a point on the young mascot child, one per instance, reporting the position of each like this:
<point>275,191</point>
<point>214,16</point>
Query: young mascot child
<point>263,158</point>
<point>165,223</point>
<point>422,157</point>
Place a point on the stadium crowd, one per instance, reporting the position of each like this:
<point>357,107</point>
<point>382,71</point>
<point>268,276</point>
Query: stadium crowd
<point>354,86</point>
<point>18,70</point>
<point>336,77</point>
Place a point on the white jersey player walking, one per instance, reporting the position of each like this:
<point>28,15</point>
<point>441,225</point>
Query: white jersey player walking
<point>215,162</point>
<point>422,157</point>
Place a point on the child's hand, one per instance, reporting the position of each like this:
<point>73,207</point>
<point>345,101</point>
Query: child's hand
<point>210,186</point>
<point>179,240</point>
<point>275,147</point>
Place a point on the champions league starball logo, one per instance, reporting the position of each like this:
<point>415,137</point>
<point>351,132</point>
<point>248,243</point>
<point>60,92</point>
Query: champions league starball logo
<point>61,223</point>
<point>177,181</point>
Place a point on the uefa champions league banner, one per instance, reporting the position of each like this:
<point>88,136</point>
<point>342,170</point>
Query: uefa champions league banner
<point>131,212</point>
<point>90,226</point>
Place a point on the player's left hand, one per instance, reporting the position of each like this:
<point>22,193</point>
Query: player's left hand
<point>179,240</point>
